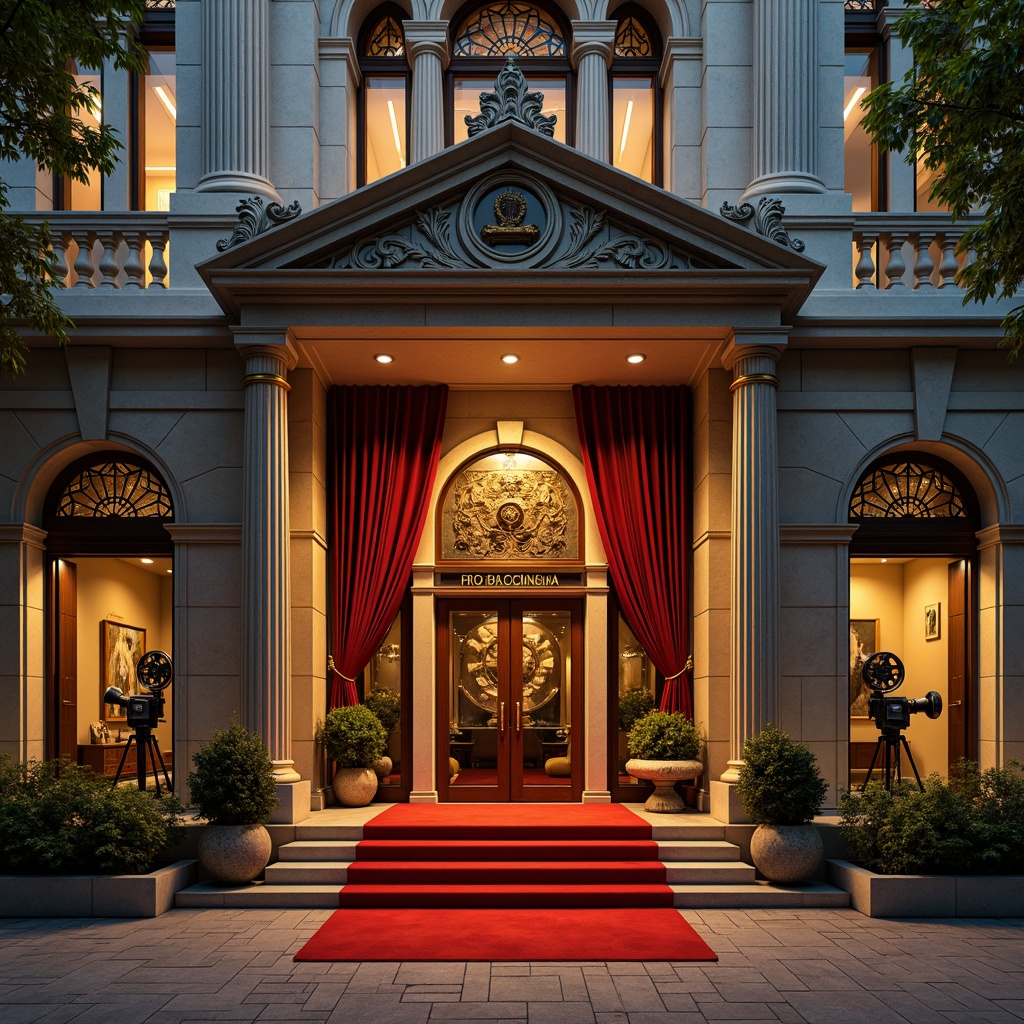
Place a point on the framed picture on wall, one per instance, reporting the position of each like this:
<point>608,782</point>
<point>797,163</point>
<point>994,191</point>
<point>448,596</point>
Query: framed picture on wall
<point>121,647</point>
<point>932,621</point>
<point>864,641</point>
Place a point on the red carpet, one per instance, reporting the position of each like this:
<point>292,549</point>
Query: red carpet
<point>532,935</point>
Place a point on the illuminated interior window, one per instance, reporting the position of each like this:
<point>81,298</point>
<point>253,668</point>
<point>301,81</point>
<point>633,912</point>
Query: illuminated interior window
<point>157,130</point>
<point>116,488</point>
<point>87,196</point>
<point>633,125</point>
<point>902,490</point>
<point>859,159</point>
<point>467,100</point>
<point>504,28</point>
<point>385,125</point>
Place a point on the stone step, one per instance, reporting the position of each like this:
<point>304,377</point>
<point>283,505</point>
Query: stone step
<point>308,872</point>
<point>709,873</point>
<point>318,850</point>
<point>706,849</point>
<point>259,895</point>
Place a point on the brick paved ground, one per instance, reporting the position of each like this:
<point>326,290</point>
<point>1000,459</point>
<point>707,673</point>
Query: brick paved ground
<point>822,967</point>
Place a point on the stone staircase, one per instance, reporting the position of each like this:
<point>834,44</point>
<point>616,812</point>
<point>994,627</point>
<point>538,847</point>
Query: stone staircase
<point>702,869</point>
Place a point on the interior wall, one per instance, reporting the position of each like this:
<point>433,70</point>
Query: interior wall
<point>109,588</point>
<point>896,595</point>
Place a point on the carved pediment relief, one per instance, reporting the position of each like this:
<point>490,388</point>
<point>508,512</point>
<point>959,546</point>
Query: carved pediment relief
<point>509,219</point>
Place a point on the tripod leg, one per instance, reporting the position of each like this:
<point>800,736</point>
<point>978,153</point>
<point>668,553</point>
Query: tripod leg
<point>871,767</point>
<point>910,758</point>
<point>163,766</point>
<point>152,760</point>
<point>124,756</point>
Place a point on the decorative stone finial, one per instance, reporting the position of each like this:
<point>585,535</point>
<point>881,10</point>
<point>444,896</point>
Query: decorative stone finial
<point>511,102</point>
<point>254,219</point>
<point>767,220</point>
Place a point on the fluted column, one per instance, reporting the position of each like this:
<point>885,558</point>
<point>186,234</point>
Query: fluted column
<point>236,118</point>
<point>426,48</point>
<point>785,97</point>
<point>755,545</point>
<point>266,593</point>
<point>593,46</point>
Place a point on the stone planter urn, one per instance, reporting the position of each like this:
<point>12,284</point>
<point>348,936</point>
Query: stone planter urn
<point>355,787</point>
<point>787,854</point>
<point>234,853</point>
<point>664,775</point>
<point>383,767</point>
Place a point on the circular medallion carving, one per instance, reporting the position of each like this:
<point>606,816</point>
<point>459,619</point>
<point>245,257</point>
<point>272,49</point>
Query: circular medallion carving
<point>509,219</point>
<point>510,516</point>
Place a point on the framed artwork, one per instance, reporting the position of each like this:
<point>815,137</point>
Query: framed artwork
<point>932,621</point>
<point>864,641</point>
<point>121,647</point>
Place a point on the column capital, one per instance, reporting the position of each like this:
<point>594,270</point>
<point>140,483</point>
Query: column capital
<point>270,344</point>
<point>766,346</point>
<point>593,37</point>
<point>426,37</point>
<point>677,49</point>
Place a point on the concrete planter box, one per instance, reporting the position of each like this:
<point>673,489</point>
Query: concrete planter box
<point>929,895</point>
<point>95,895</point>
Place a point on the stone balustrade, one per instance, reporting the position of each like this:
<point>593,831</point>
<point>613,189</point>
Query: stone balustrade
<point>915,251</point>
<point>109,250</point>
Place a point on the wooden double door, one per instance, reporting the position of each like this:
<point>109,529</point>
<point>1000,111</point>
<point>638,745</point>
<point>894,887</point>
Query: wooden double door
<point>510,699</point>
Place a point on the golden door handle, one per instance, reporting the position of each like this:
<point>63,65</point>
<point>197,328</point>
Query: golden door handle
<point>519,717</point>
<point>501,717</point>
<point>955,703</point>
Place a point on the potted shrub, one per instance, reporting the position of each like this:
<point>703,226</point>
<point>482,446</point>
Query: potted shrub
<point>664,748</point>
<point>387,706</point>
<point>354,740</point>
<point>232,787</point>
<point>782,790</point>
<point>634,703</point>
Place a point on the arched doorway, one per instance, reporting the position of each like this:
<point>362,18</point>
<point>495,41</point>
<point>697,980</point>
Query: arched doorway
<point>109,600</point>
<point>913,573</point>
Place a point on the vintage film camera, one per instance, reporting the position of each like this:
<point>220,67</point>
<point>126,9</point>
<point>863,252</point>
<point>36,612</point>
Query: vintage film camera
<point>884,672</point>
<point>143,713</point>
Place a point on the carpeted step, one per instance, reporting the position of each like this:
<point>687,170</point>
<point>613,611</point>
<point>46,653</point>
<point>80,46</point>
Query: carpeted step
<point>505,896</point>
<point>507,850</point>
<point>612,872</point>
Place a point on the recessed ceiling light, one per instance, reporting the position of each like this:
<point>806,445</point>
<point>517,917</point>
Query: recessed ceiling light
<point>636,357</point>
<point>170,570</point>
<point>884,560</point>
<point>510,358</point>
<point>146,561</point>
<point>383,357</point>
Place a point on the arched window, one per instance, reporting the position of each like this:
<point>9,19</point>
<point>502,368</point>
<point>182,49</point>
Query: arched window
<point>902,490</point>
<point>635,106</point>
<point>484,35</point>
<point>384,110</point>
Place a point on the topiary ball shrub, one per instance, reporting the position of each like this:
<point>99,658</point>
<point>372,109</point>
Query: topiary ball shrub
<point>58,818</point>
<point>233,780</point>
<point>386,705</point>
<point>634,703</point>
<point>779,782</point>
<point>664,736</point>
<point>354,737</point>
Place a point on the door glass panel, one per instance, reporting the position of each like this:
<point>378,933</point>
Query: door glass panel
<point>384,697</point>
<point>475,679</point>
<point>636,693</point>
<point>544,701</point>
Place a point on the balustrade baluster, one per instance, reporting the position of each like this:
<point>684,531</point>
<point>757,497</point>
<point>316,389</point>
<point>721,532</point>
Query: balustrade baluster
<point>133,268</point>
<point>157,263</point>
<point>59,242</point>
<point>84,266</point>
<point>865,269</point>
<point>923,263</point>
<point>948,265</point>
<point>110,240</point>
<point>896,266</point>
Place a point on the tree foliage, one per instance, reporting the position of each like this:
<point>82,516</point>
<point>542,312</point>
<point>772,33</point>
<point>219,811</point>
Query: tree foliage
<point>40,104</point>
<point>961,110</point>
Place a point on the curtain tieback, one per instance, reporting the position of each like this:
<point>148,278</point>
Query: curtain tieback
<point>688,667</point>
<point>331,668</point>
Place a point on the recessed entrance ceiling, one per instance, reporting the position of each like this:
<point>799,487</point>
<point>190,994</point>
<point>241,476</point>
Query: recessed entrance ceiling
<point>547,359</point>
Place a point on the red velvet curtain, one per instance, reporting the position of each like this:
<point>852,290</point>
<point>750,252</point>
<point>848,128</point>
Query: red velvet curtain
<point>387,442</point>
<point>634,442</point>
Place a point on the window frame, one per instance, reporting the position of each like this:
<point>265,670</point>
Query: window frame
<point>861,35</point>
<point>639,67</point>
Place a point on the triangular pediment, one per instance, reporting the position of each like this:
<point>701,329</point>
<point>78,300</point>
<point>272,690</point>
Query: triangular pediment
<point>509,200</point>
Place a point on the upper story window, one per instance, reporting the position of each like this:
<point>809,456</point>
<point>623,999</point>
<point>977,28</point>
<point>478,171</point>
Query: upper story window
<point>158,109</point>
<point>634,80</point>
<point>860,157</point>
<point>484,36</point>
<point>384,110</point>
<point>76,195</point>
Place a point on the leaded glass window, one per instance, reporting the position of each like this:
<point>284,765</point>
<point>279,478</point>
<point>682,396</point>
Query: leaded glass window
<point>906,490</point>
<point>632,39</point>
<point>115,489</point>
<point>385,39</point>
<point>503,28</point>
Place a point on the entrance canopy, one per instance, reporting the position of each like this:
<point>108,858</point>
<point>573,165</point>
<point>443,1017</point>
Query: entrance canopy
<point>510,237</point>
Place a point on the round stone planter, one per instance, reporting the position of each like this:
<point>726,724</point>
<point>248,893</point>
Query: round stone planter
<point>664,775</point>
<point>234,853</point>
<point>383,767</point>
<point>787,854</point>
<point>355,787</point>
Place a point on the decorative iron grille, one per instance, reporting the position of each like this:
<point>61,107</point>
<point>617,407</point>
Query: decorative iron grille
<point>632,39</point>
<point>861,5</point>
<point>500,29</point>
<point>386,40</point>
<point>115,489</point>
<point>906,490</point>
<point>160,5</point>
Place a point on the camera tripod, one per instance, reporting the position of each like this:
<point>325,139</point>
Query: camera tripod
<point>892,740</point>
<point>145,742</point>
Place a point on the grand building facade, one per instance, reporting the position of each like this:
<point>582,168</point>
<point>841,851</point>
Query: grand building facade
<point>366,308</point>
